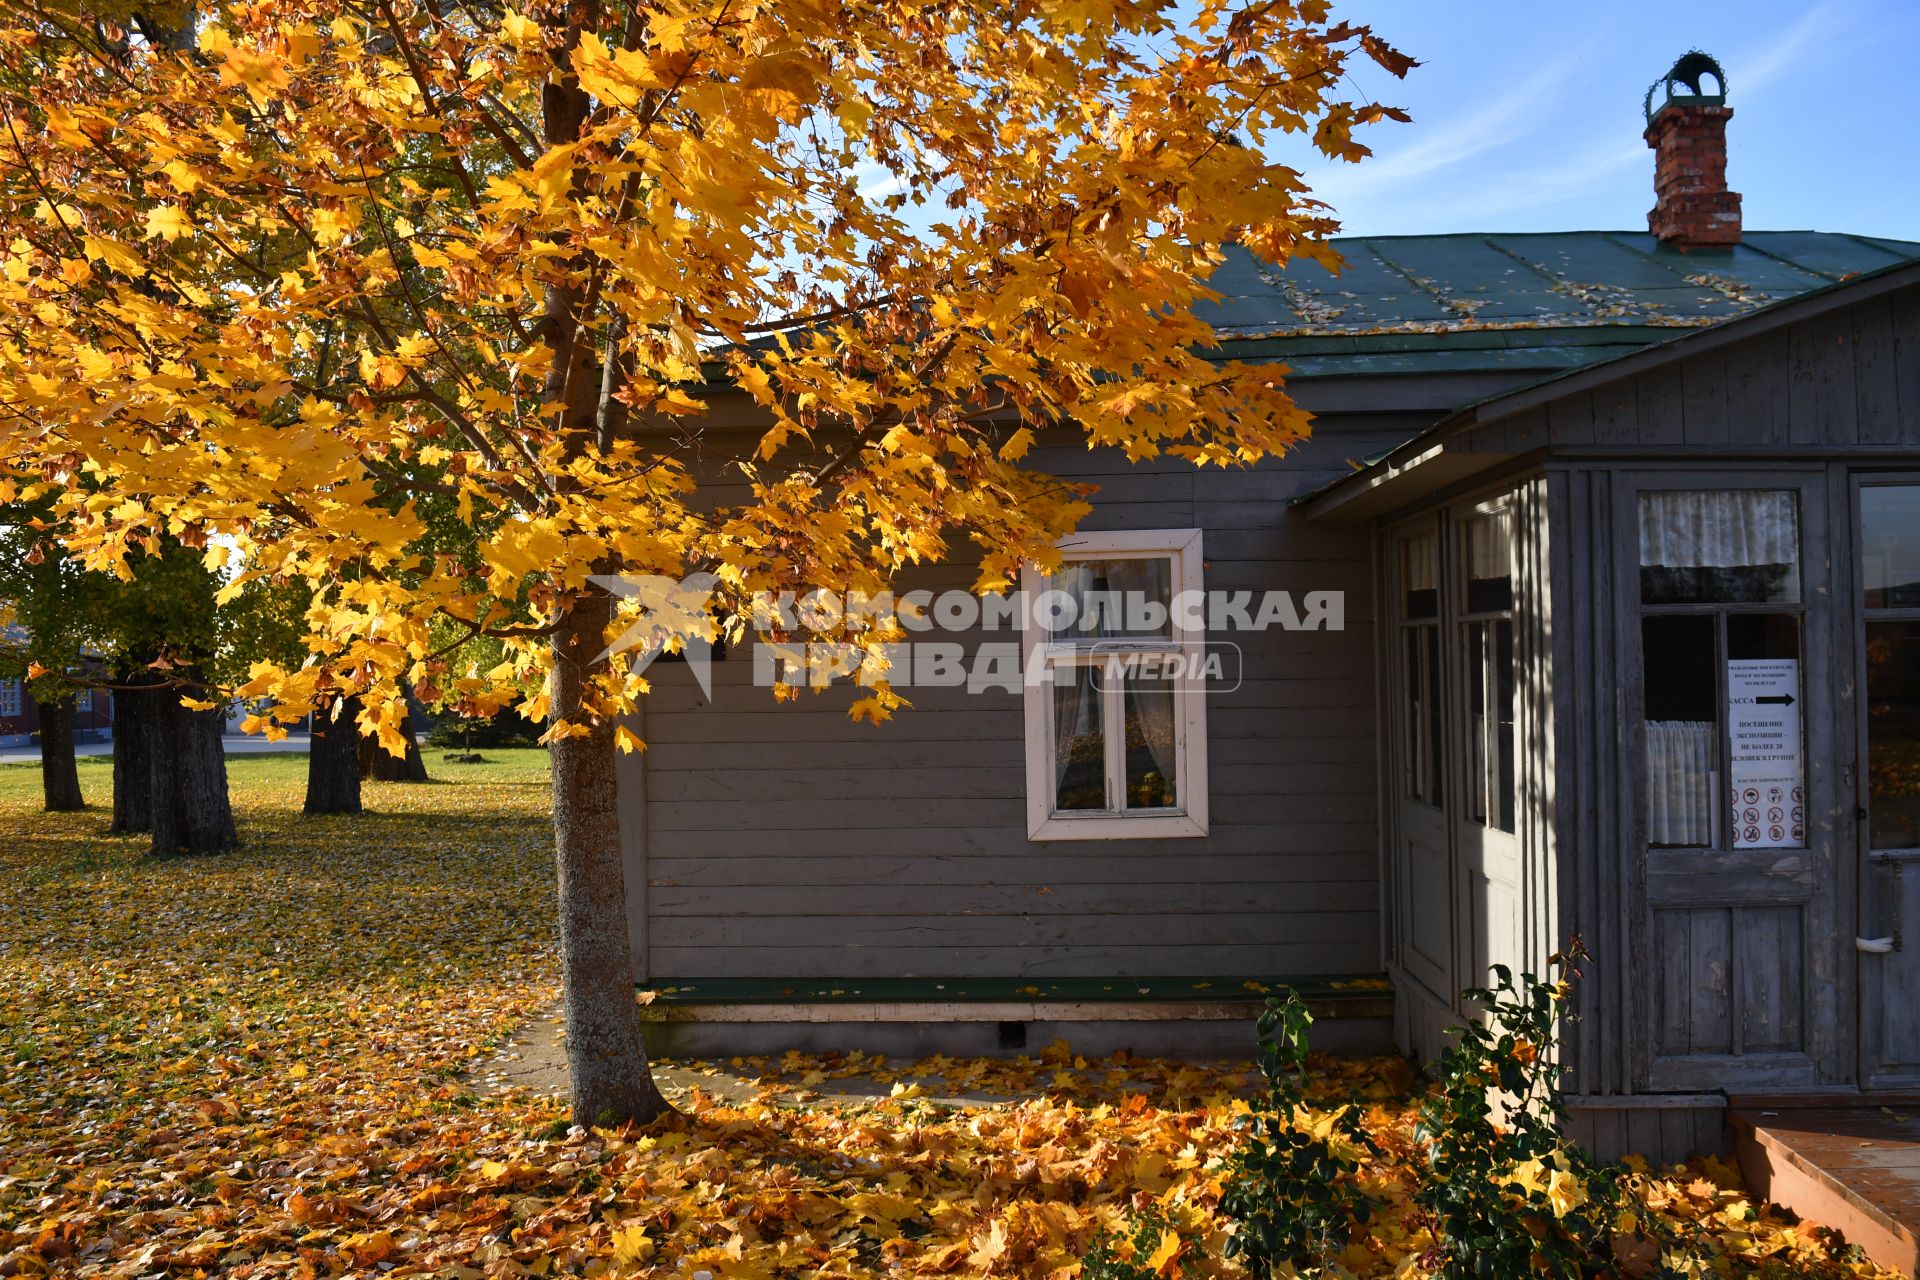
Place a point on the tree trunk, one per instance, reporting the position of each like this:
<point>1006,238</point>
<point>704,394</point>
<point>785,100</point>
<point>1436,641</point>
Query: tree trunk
<point>381,765</point>
<point>333,759</point>
<point>59,772</point>
<point>132,767</point>
<point>606,1059</point>
<point>191,812</point>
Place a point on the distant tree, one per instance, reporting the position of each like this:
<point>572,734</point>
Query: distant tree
<point>262,621</point>
<point>55,611</point>
<point>170,767</point>
<point>333,757</point>
<point>381,765</point>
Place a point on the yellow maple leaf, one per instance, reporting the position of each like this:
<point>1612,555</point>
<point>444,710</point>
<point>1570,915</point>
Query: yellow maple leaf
<point>521,30</point>
<point>988,1245</point>
<point>168,221</point>
<point>1163,1254</point>
<point>632,1244</point>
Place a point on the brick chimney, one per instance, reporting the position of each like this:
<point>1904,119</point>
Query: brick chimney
<point>1692,207</point>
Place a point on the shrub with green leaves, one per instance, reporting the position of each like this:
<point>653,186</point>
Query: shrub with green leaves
<point>1507,1194</point>
<point>1135,1254</point>
<point>1292,1186</point>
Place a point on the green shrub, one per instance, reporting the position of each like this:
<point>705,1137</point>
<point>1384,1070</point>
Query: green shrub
<point>1126,1256</point>
<point>1292,1186</point>
<point>506,728</point>
<point>1507,1194</point>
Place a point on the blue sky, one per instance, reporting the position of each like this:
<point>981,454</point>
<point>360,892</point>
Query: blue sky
<point>1527,115</point>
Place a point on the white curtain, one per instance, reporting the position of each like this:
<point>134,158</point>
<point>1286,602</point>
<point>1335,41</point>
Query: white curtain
<point>1421,567</point>
<point>1490,547</point>
<point>1150,712</point>
<point>1681,795</point>
<point>1102,591</point>
<point>1077,739</point>
<point>1718,529</point>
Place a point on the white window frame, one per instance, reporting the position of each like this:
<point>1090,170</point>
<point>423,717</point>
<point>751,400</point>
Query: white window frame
<point>1189,819</point>
<point>13,699</point>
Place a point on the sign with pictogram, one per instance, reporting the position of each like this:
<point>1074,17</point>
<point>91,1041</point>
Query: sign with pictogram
<point>1763,728</point>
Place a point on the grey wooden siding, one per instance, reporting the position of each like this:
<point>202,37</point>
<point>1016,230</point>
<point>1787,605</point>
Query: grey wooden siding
<point>1848,379</point>
<point>773,839</point>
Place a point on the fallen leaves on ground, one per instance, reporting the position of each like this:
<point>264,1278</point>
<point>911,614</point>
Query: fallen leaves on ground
<point>251,1065</point>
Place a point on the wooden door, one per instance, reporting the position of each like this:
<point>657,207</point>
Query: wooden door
<point>1422,862</point>
<point>1738,970</point>
<point>1486,670</point>
<point>1886,523</point>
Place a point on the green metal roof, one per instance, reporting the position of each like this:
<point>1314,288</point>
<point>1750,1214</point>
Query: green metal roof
<point>1541,301</point>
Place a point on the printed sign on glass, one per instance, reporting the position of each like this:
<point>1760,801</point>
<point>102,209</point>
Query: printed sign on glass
<point>1763,725</point>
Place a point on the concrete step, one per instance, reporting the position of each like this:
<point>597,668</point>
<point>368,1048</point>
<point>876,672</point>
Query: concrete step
<point>1853,1166</point>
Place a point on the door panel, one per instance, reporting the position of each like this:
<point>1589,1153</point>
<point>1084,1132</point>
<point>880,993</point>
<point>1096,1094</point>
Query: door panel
<point>1890,981</point>
<point>1430,913</point>
<point>1423,862</point>
<point>1486,822</point>
<point>1730,756</point>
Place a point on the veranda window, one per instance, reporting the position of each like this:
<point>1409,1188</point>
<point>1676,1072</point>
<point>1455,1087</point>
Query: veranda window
<point>1486,633</point>
<point>1420,654</point>
<point>1720,639</point>
<point>1116,717</point>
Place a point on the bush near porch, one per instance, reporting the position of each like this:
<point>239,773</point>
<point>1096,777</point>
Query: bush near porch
<point>251,1066</point>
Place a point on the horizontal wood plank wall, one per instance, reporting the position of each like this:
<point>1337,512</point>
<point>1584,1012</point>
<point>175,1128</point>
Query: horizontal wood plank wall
<point>1848,380</point>
<point>783,839</point>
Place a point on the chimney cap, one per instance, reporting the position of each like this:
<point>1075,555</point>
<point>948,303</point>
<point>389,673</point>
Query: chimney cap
<point>1691,70</point>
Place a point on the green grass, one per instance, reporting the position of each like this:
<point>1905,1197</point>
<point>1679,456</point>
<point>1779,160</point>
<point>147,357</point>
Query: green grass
<point>276,771</point>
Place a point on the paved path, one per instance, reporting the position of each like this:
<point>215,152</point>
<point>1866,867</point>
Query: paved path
<point>237,744</point>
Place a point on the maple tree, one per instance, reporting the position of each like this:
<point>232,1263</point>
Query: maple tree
<point>437,307</point>
<point>50,614</point>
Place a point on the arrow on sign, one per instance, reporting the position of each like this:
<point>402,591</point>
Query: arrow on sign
<point>1777,699</point>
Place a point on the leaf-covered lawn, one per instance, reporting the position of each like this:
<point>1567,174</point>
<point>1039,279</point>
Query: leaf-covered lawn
<point>251,1066</point>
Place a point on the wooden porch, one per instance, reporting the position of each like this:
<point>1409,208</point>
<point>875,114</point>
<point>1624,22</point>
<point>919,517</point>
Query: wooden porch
<point>1853,1165</point>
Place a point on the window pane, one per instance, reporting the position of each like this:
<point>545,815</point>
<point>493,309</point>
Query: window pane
<point>1079,747</point>
<point>1489,562</point>
<point>1436,727</point>
<point>1116,599</point>
<point>1893,734</point>
<point>1490,690</point>
<point>1476,647</point>
<point>1763,731</point>
<point>1420,576</point>
<point>1152,766</point>
<point>1682,729</point>
<point>1723,546</point>
<point>1423,714</point>
<point>1890,546</point>
<point>1503,724</point>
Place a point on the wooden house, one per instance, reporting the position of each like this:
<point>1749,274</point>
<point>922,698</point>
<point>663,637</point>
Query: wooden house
<point>1603,571</point>
<point>20,715</point>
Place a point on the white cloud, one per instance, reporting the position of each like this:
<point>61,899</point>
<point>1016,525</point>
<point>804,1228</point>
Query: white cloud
<point>1449,143</point>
